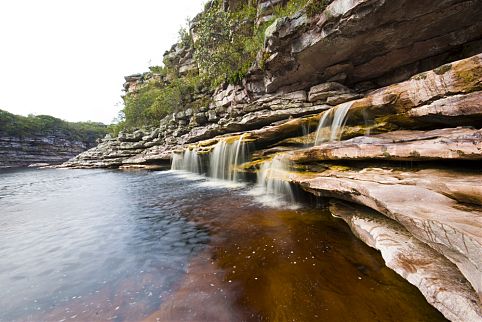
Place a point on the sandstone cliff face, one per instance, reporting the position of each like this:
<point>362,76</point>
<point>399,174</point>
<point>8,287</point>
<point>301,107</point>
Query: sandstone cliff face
<point>366,40</point>
<point>409,77</point>
<point>41,149</point>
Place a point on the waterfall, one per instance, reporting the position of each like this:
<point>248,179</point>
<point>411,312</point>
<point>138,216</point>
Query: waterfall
<point>274,181</point>
<point>226,156</point>
<point>331,124</point>
<point>188,160</point>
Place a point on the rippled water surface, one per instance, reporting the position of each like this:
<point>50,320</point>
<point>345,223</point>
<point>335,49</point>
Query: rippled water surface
<point>95,245</point>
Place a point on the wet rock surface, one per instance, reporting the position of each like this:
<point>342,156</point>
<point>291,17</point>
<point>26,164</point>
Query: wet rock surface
<point>437,278</point>
<point>403,145</point>
<point>440,208</point>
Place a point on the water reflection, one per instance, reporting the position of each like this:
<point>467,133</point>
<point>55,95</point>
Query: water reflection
<point>107,245</point>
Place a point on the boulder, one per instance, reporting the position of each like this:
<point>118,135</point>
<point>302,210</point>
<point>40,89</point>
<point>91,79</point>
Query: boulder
<point>212,116</point>
<point>200,118</point>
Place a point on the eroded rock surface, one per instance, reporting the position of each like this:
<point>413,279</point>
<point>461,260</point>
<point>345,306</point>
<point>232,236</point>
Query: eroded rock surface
<point>404,145</point>
<point>431,204</point>
<point>437,278</point>
<point>366,40</point>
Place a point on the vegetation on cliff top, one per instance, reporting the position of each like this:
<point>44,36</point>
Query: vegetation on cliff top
<point>227,44</point>
<point>30,126</point>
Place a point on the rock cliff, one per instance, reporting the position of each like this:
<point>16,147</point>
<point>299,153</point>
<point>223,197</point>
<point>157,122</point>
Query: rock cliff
<point>43,140</point>
<point>375,103</point>
<point>46,149</point>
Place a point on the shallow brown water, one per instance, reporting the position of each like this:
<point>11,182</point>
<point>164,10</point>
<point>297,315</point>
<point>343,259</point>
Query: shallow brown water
<point>188,251</point>
<point>289,265</point>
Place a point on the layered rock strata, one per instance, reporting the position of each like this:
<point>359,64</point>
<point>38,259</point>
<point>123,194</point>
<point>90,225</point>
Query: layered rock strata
<point>41,149</point>
<point>437,278</point>
<point>440,208</point>
<point>444,97</point>
<point>403,145</point>
<point>409,76</point>
<point>377,41</point>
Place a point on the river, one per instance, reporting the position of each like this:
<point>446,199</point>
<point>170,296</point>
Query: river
<point>99,245</point>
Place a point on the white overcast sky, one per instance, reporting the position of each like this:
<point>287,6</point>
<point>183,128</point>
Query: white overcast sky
<point>67,58</point>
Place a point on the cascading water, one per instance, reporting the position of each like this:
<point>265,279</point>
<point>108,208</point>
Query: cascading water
<point>274,182</point>
<point>331,124</point>
<point>188,160</point>
<point>226,157</point>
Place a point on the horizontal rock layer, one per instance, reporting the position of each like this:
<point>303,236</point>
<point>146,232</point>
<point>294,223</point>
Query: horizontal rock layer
<point>439,207</point>
<point>404,145</point>
<point>365,40</point>
<point>443,97</point>
<point>53,149</point>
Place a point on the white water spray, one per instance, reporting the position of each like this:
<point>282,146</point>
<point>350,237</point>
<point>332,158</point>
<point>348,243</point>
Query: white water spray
<point>226,157</point>
<point>188,160</point>
<point>274,183</point>
<point>332,123</point>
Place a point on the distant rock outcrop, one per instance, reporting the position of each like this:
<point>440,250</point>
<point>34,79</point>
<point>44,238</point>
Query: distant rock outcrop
<point>49,149</point>
<point>43,140</point>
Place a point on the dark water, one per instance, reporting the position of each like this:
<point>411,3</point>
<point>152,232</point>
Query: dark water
<point>82,245</point>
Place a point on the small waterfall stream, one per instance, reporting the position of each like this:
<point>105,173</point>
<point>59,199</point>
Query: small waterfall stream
<point>226,157</point>
<point>331,124</point>
<point>274,181</point>
<point>188,160</point>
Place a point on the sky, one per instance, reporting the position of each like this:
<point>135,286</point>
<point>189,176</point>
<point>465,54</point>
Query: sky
<point>68,58</point>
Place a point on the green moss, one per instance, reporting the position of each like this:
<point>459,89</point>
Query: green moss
<point>442,69</point>
<point>468,76</point>
<point>420,76</point>
<point>315,7</point>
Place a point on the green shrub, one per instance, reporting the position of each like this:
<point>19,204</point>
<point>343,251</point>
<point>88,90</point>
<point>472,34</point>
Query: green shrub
<point>290,8</point>
<point>30,126</point>
<point>159,70</point>
<point>227,45</point>
<point>185,39</point>
<point>153,101</point>
<point>315,7</point>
